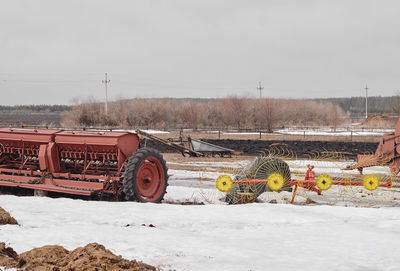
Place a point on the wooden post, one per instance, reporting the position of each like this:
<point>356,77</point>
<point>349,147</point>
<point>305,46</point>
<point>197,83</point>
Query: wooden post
<point>219,134</point>
<point>294,194</point>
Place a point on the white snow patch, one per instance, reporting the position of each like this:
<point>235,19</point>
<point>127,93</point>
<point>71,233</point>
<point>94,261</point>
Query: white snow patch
<point>228,164</point>
<point>242,133</point>
<point>379,132</point>
<point>213,237</point>
<point>150,131</point>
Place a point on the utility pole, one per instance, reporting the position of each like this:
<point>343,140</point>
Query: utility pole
<point>105,82</point>
<point>366,101</point>
<point>260,88</point>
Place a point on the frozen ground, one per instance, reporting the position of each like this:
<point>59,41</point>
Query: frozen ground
<point>338,132</point>
<point>214,236</point>
<point>323,132</point>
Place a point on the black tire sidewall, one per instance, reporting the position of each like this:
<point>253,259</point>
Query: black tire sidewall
<point>131,170</point>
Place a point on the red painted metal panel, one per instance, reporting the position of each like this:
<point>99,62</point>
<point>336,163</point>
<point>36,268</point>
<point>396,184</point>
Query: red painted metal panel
<point>128,144</point>
<point>28,135</point>
<point>54,185</point>
<point>53,157</point>
<point>43,162</point>
<point>110,144</point>
<point>397,131</point>
<point>90,138</point>
<point>388,144</point>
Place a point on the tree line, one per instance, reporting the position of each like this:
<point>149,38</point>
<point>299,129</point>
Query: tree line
<point>230,112</point>
<point>356,105</point>
<point>36,108</point>
<point>351,105</point>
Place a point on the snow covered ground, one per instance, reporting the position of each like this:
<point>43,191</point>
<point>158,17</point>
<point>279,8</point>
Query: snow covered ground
<point>216,236</point>
<point>321,131</point>
<point>338,132</point>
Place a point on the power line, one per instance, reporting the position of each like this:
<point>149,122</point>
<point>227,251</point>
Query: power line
<point>106,82</point>
<point>44,81</point>
<point>260,88</point>
<point>366,101</point>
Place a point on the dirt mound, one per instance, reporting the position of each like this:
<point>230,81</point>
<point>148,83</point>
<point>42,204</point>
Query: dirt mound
<point>97,257</point>
<point>44,258</point>
<point>8,257</point>
<point>91,257</point>
<point>6,218</point>
<point>379,120</point>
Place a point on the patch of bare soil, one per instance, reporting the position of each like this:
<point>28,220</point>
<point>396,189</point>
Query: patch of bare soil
<point>178,162</point>
<point>91,257</point>
<point>6,218</point>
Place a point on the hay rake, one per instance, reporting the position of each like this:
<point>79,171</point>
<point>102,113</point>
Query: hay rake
<point>273,174</point>
<point>276,178</point>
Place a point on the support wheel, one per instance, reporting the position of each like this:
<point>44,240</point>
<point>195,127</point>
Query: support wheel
<point>324,182</point>
<point>275,182</point>
<point>145,176</point>
<point>224,183</point>
<point>371,182</point>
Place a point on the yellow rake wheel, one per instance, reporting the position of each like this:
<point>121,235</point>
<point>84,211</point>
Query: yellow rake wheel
<point>371,182</point>
<point>224,183</point>
<point>275,181</point>
<point>324,182</point>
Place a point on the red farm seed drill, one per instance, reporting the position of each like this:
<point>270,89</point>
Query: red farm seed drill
<point>82,163</point>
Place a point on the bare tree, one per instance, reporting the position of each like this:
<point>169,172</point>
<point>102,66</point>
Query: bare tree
<point>234,111</point>
<point>211,115</point>
<point>267,114</point>
<point>334,115</point>
<point>190,114</point>
<point>395,103</point>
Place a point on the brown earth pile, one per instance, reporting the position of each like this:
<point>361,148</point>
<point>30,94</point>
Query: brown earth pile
<point>56,258</point>
<point>8,257</point>
<point>379,120</point>
<point>6,218</point>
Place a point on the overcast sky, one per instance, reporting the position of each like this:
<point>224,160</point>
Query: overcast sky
<point>54,51</point>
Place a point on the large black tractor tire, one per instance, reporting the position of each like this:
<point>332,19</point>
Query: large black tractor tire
<point>145,177</point>
<point>260,169</point>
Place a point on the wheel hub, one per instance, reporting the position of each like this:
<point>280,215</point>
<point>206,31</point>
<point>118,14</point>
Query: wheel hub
<point>150,178</point>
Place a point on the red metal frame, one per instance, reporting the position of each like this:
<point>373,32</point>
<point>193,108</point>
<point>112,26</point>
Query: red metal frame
<point>386,154</point>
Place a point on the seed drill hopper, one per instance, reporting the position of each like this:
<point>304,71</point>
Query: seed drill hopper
<point>82,163</point>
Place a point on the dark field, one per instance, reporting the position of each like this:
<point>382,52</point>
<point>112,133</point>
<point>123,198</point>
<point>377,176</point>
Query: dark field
<point>301,149</point>
<point>19,118</point>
